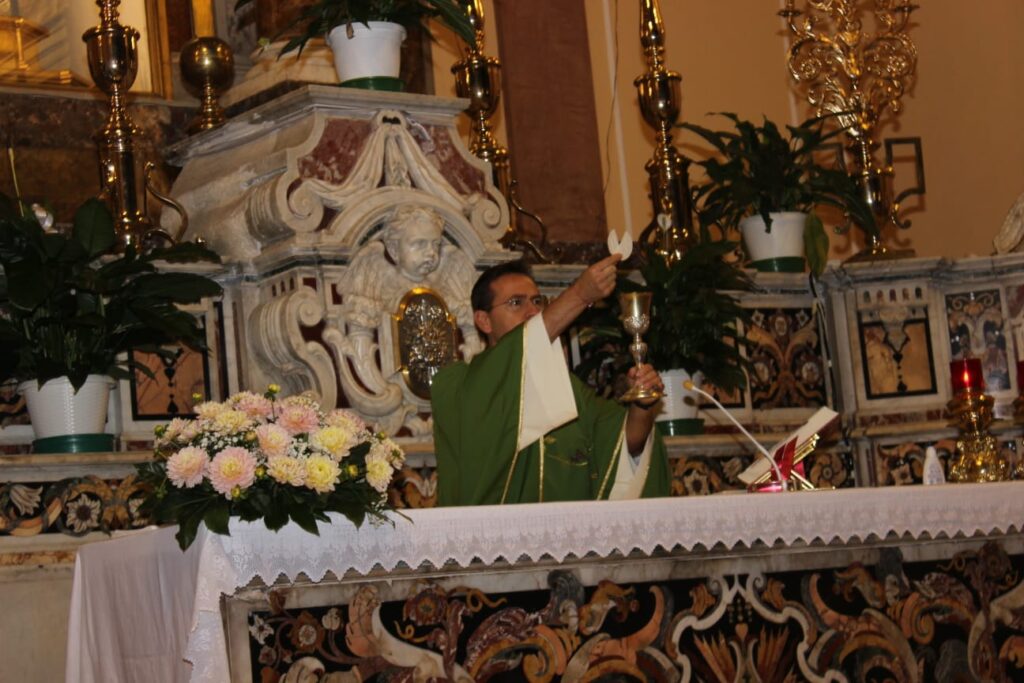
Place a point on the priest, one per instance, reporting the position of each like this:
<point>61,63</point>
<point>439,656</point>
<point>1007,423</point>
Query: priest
<point>514,426</point>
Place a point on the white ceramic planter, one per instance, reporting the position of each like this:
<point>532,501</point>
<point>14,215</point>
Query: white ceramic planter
<point>785,241</point>
<point>371,52</point>
<point>56,410</point>
<point>678,403</point>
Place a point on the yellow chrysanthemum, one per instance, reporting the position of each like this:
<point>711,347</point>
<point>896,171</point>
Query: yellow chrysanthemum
<point>287,470</point>
<point>334,440</point>
<point>231,422</point>
<point>378,473</point>
<point>321,473</point>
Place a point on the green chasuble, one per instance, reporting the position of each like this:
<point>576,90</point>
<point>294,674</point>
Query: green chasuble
<point>477,412</point>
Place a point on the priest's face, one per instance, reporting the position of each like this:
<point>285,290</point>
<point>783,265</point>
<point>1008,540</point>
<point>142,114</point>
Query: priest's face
<point>516,300</point>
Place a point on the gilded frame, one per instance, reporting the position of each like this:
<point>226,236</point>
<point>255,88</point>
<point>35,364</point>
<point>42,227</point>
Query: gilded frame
<point>159,60</point>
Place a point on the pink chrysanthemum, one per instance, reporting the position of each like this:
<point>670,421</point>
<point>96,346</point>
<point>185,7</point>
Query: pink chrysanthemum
<point>232,468</point>
<point>274,441</point>
<point>185,468</point>
<point>298,419</point>
<point>255,406</point>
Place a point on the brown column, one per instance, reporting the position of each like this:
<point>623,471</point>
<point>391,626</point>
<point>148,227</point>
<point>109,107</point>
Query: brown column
<point>548,96</point>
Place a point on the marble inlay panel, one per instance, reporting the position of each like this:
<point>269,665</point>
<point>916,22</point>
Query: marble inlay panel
<point>896,349</point>
<point>880,619</point>
<point>789,369</point>
<point>976,329</point>
<point>337,151</point>
<point>442,151</point>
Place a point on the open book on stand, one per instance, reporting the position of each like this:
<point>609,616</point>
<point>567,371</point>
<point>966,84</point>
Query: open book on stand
<point>788,453</point>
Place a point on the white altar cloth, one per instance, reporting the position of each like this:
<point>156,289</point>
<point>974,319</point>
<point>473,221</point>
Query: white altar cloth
<point>141,610</point>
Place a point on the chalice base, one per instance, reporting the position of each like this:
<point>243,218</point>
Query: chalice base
<point>637,394</point>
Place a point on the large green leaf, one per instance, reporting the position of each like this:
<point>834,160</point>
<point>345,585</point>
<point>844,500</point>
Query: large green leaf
<point>815,244</point>
<point>94,227</point>
<point>182,288</point>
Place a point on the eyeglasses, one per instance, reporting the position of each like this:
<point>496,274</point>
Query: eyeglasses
<point>516,302</point>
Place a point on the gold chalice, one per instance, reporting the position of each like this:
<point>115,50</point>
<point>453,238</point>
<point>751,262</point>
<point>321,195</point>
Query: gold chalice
<point>636,319</point>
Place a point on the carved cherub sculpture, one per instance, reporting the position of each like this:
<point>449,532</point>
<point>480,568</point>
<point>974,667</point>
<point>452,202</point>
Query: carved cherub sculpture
<point>411,252</point>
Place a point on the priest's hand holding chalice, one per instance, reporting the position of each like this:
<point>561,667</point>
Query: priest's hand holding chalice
<point>645,386</point>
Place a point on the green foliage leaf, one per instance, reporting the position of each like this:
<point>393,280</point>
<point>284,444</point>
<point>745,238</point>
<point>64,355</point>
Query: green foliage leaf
<point>695,317</point>
<point>94,227</point>
<point>760,170</point>
<point>74,306</point>
<point>217,516</point>
<point>815,244</point>
<point>318,18</point>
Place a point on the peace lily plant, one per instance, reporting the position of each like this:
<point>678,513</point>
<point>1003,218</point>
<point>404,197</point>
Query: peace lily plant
<point>72,307</point>
<point>763,178</point>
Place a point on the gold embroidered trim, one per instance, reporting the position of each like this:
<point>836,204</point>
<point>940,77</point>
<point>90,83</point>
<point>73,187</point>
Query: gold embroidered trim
<point>617,455</point>
<point>540,493</point>
<point>519,424</point>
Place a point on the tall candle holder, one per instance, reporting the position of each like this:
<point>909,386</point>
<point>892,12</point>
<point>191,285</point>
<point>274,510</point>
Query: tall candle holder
<point>478,79</point>
<point>658,92</point>
<point>858,76</point>
<point>978,458</point>
<point>113,53</point>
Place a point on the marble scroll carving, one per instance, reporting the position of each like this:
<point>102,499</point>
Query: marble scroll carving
<point>330,217</point>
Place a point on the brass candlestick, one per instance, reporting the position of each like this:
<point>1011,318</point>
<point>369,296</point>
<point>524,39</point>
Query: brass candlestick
<point>978,453</point>
<point>636,319</point>
<point>112,51</point>
<point>478,78</point>
<point>207,69</point>
<point>858,76</point>
<point>658,91</point>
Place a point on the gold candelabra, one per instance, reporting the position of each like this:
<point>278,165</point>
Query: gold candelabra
<point>113,56</point>
<point>658,91</point>
<point>478,78</point>
<point>858,76</point>
<point>978,457</point>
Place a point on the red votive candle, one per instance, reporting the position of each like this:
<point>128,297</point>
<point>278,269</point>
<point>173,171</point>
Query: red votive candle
<point>966,375</point>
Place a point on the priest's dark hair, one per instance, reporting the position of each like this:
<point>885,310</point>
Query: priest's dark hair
<point>482,297</point>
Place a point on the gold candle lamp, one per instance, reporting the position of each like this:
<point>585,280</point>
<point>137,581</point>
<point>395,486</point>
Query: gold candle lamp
<point>478,79</point>
<point>858,76</point>
<point>113,54</point>
<point>658,91</point>
<point>207,69</point>
<point>978,458</point>
<point>636,319</point>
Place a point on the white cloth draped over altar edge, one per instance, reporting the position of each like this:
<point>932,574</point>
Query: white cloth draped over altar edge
<point>141,609</point>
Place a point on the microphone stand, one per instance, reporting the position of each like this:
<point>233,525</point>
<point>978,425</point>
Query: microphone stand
<point>783,481</point>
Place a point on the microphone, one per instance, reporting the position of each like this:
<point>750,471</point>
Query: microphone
<point>690,386</point>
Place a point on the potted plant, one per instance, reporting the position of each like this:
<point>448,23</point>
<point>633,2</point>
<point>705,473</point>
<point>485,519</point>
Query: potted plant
<point>768,185</point>
<point>694,333</point>
<point>71,308</point>
<point>366,35</point>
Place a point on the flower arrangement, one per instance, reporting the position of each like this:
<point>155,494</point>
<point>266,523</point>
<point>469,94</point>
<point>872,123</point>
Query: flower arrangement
<point>260,457</point>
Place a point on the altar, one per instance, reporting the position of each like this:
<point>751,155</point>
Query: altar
<point>825,585</point>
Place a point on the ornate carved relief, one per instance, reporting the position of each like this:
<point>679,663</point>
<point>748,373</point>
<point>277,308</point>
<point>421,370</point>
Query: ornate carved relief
<point>335,214</point>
